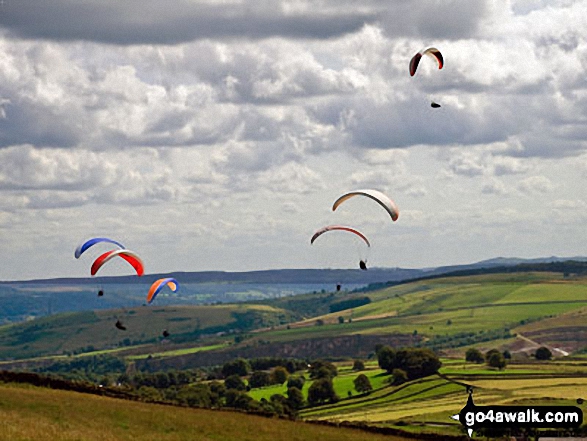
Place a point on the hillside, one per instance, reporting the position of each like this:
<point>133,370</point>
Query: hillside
<point>54,415</point>
<point>95,330</point>
<point>441,313</point>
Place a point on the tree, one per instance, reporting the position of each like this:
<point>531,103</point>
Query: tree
<point>259,379</point>
<point>386,358</point>
<point>295,398</point>
<point>321,391</point>
<point>474,356</point>
<point>399,377</point>
<point>417,362</point>
<point>234,382</point>
<point>341,319</point>
<point>358,365</point>
<point>543,353</point>
<point>496,360</point>
<point>240,367</point>
<point>279,375</point>
<point>322,369</point>
<point>238,399</point>
<point>507,355</point>
<point>362,383</point>
<point>489,353</point>
<point>296,381</point>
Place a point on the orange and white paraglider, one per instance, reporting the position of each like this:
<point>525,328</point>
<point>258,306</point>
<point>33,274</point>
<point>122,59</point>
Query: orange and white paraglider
<point>158,285</point>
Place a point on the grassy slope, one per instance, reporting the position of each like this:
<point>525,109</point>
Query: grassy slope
<point>71,331</point>
<point>451,305</point>
<point>28,413</point>
<point>432,308</point>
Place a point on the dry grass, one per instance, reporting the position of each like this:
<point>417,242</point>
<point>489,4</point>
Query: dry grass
<point>29,413</point>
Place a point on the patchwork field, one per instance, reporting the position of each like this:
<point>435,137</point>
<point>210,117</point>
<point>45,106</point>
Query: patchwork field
<point>425,405</point>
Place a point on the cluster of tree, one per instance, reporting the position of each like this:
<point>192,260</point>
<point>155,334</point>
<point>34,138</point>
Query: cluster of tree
<point>349,303</point>
<point>412,362</point>
<point>243,367</point>
<point>91,368</point>
<point>322,369</point>
<point>492,358</point>
<point>467,338</point>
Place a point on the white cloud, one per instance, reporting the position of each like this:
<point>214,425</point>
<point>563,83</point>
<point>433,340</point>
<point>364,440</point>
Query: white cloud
<point>536,185</point>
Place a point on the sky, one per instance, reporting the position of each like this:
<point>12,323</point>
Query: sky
<point>216,134</point>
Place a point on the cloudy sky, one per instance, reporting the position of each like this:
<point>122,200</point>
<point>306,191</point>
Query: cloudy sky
<point>216,134</point>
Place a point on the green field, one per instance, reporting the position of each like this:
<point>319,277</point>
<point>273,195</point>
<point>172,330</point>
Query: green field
<point>451,306</point>
<point>343,384</point>
<point>30,413</point>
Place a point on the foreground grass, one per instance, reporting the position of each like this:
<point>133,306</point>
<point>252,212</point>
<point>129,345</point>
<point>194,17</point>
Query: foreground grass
<point>30,413</point>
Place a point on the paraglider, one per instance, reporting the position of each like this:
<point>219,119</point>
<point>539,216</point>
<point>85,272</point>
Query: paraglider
<point>376,195</point>
<point>338,287</point>
<point>100,293</point>
<point>166,333</point>
<point>363,265</point>
<point>120,326</point>
<point>431,52</point>
<point>91,242</point>
<point>130,256</point>
<point>158,286</point>
<point>323,230</point>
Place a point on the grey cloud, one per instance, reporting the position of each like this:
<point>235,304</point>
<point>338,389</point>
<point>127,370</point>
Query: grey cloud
<point>434,19</point>
<point>407,123</point>
<point>154,22</point>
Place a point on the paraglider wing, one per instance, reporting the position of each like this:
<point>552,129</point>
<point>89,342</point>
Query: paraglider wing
<point>376,195</point>
<point>91,242</point>
<point>130,256</point>
<point>432,52</point>
<point>323,230</point>
<point>158,286</point>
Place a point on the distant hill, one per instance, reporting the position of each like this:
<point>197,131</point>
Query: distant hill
<point>303,276</point>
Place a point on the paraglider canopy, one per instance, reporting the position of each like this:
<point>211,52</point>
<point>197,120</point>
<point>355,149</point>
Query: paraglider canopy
<point>323,230</point>
<point>363,265</point>
<point>91,242</point>
<point>130,256</point>
<point>120,326</point>
<point>376,195</point>
<point>158,286</point>
<point>431,52</point>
